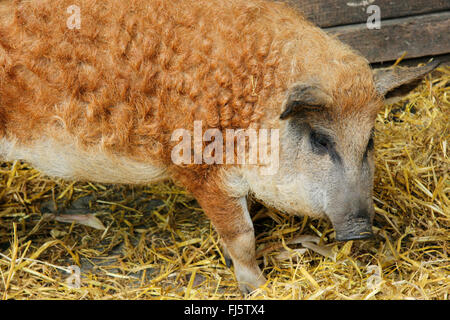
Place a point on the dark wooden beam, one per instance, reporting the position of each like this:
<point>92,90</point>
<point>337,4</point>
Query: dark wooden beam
<point>328,13</point>
<point>419,36</point>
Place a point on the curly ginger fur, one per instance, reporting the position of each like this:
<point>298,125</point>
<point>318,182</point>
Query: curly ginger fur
<point>137,70</point>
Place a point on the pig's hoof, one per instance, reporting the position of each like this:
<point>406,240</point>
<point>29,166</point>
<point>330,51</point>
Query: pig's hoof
<point>250,283</point>
<point>247,288</point>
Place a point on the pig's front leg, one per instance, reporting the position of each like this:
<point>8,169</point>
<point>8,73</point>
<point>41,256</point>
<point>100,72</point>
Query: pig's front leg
<point>231,219</point>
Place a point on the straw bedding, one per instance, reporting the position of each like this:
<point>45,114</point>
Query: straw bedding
<point>154,242</point>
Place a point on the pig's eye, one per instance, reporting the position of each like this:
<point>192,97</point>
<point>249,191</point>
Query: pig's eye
<point>370,144</point>
<point>320,143</point>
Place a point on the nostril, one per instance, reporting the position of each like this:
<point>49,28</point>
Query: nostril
<point>362,214</point>
<point>356,236</point>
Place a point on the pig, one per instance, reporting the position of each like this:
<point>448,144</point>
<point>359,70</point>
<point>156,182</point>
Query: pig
<point>93,91</point>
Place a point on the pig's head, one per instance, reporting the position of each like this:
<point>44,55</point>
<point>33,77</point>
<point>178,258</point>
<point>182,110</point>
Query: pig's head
<point>326,154</point>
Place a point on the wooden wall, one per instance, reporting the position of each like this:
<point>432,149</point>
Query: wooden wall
<point>417,27</point>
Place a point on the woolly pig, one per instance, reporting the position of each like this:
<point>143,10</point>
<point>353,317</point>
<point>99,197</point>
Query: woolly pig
<point>95,90</point>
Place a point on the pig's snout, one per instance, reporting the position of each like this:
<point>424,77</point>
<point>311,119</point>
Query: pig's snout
<point>359,235</point>
<point>355,227</point>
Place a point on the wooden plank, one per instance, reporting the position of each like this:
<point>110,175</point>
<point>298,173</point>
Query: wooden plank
<point>443,58</point>
<point>419,36</point>
<point>327,13</point>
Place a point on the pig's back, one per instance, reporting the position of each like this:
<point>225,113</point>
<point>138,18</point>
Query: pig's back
<point>133,72</point>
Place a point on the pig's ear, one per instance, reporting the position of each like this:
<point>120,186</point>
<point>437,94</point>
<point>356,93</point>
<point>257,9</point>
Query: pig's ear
<point>303,97</point>
<point>397,82</point>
